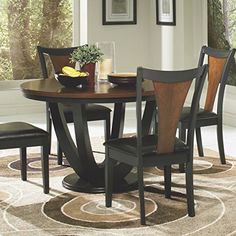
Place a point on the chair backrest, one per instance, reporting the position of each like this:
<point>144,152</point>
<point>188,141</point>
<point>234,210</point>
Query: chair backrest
<point>59,57</point>
<point>219,62</point>
<point>171,89</point>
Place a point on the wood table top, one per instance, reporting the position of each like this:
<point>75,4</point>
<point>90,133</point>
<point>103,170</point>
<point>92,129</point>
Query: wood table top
<point>51,90</point>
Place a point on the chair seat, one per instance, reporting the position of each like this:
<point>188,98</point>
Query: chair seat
<point>13,130</point>
<point>149,142</point>
<point>94,112</point>
<point>203,117</point>
<point>22,135</point>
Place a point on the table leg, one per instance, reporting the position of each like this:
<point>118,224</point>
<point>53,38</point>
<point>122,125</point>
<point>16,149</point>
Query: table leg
<point>89,176</point>
<point>148,120</point>
<point>118,120</point>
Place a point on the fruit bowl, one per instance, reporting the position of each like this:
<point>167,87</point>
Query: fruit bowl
<point>69,81</point>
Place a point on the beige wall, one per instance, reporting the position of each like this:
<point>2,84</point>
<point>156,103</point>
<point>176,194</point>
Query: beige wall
<point>148,44</point>
<point>131,41</point>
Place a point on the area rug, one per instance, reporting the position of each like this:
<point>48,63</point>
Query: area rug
<point>25,210</point>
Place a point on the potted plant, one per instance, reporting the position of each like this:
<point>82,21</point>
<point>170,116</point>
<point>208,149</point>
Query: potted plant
<point>87,55</point>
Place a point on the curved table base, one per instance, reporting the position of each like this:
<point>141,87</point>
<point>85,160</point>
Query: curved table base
<point>89,175</point>
<point>75,183</point>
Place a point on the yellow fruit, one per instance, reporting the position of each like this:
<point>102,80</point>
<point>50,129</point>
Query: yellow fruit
<point>67,70</point>
<point>83,74</point>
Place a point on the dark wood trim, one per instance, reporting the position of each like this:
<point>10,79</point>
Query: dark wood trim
<point>105,22</point>
<point>51,90</point>
<point>158,22</point>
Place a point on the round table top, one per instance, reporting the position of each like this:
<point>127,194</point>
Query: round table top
<point>51,90</point>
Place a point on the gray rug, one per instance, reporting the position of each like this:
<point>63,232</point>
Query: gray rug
<point>25,210</point>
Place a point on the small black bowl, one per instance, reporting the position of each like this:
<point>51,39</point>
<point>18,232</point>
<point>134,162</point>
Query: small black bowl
<point>69,81</point>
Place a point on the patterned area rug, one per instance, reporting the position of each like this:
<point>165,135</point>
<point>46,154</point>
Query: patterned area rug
<point>25,210</point>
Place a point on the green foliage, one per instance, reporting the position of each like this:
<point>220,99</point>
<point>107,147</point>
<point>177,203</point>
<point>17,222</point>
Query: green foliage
<point>5,69</point>
<point>3,25</point>
<point>24,25</point>
<point>232,78</point>
<point>216,28</point>
<point>231,15</point>
<point>87,54</point>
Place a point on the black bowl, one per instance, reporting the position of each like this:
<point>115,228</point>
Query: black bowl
<point>69,81</point>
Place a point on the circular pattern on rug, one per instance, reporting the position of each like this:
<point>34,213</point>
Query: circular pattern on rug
<point>209,165</point>
<point>201,165</point>
<point>198,165</point>
<point>89,209</point>
<point>34,164</point>
<point>10,166</point>
<point>4,196</point>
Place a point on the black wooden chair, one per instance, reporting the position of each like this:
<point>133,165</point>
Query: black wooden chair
<point>161,149</point>
<point>219,62</point>
<point>60,57</point>
<point>22,135</point>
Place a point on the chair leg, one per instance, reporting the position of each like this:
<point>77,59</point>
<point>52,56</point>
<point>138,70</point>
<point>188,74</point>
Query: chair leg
<point>107,125</point>
<point>189,189</point>
<point>221,142</point>
<point>141,195</point>
<point>182,136</point>
<point>45,168</point>
<point>108,178</point>
<point>23,163</point>
<point>199,142</point>
<point>167,180</point>
<point>59,154</point>
<point>49,127</point>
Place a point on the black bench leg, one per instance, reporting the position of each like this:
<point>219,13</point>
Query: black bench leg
<point>59,154</point>
<point>221,143</point>
<point>199,142</point>
<point>182,136</point>
<point>23,163</point>
<point>45,168</point>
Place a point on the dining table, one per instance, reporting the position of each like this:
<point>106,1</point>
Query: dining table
<point>88,175</point>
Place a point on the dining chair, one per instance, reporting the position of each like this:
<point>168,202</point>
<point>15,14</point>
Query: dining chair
<point>220,62</point>
<point>163,148</point>
<point>60,57</point>
<point>22,135</point>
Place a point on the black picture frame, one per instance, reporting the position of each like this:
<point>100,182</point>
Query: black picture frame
<point>118,12</point>
<point>166,12</point>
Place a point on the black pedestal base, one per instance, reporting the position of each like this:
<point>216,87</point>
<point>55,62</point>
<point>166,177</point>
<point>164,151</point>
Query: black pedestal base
<point>75,183</point>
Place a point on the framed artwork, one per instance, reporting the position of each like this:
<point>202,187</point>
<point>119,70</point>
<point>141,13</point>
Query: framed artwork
<point>119,12</point>
<point>166,12</point>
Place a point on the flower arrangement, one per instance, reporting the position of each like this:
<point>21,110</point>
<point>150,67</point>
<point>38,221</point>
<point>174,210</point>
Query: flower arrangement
<point>86,54</point>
